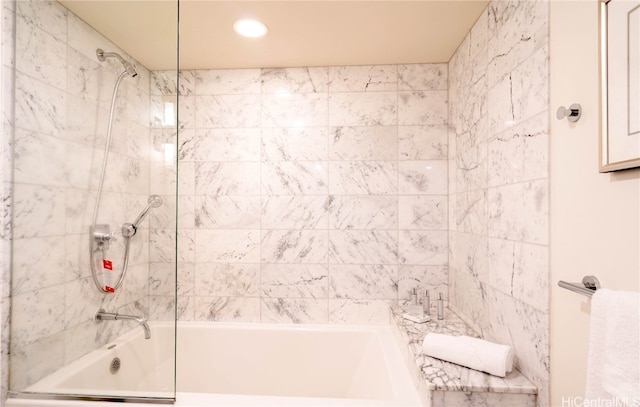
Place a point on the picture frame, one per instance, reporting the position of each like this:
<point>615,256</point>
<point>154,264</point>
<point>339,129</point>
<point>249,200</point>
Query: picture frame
<point>620,85</point>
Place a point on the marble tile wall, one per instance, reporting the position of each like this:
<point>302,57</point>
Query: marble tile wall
<point>498,182</point>
<point>7,25</point>
<point>310,195</point>
<point>62,97</point>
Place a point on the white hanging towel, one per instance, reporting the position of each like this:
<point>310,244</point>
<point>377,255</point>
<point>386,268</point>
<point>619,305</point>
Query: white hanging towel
<point>613,364</point>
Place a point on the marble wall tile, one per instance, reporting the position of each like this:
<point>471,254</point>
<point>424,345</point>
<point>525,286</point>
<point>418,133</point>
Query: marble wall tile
<point>375,143</point>
<point>227,309</point>
<point>227,280</point>
<point>363,212</point>
<point>227,212</point>
<point>422,107</point>
<point>363,312</point>
<point>82,300</point>
<point>294,246</point>
<point>472,256</point>
<point>519,153</point>
<point>422,177</point>
<point>517,269</point>
<point>41,315</point>
<point>38,211</point>
<point>49,16</point>
<point>363,178</point>
<point>225,144</point>
<point>294,80</point>
<point>38,106</point>
<point>422,247</point>
<point>295,212</point>
<point>498,198</point>
<point>75,344</point>
<point>521,94</point>
<point>34,361</point>
<point>76,257</point>
<point>162,279</point>
<point>39,159</point>
<point>184,309</point>
<point>424,212</point>
<point>467,298</point>
<point>164,217</point>
<point>479,37</point>
<point>44,254</point>
<point>187,112</point>
<point>294,310</point>
<point>294,281</point>
<point>227,111</point>
<point>329,151</point>
<point>363,109</point>
<point>376,78</point>
<point>168,83</point>
<point>422,142</point>
<point>227,178</point>
<point>363,281</point>
<point>471,212</point>
<point>295,144</point>
<point>529,338</point>
<point>363,247</point>
<point>423,77</point>
<point>470,163</point>
<point>516,29</point>
<point>44,57</point>
<point>294,178</point>
<point>222,246</point>
<point>227,81</point>
<point>520,212</point>
<point>294,110</point>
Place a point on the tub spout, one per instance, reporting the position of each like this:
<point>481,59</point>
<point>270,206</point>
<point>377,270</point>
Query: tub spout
<point>102,315</point>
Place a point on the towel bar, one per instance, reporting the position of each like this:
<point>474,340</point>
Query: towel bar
<point>589,286</point>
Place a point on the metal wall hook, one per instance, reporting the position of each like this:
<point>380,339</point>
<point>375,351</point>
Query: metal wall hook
<point>572,114</point>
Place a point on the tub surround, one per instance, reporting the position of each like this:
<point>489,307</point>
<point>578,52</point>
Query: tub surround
<point>308,195</point>
<point>498,182</point>
<point>443,383</point>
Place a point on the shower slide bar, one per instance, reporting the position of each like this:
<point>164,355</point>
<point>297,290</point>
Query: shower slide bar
<point>589,286</point>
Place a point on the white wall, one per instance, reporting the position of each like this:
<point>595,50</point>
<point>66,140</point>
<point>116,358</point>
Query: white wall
<point>595,222</point>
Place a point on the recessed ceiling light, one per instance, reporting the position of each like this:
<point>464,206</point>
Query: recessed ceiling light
<point>250,28</point>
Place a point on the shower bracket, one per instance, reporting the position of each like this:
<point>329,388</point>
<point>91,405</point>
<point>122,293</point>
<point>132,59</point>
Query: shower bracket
<point>102,236</point>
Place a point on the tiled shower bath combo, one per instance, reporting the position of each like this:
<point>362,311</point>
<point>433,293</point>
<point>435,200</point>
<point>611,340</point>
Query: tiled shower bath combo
<point>310,195</point>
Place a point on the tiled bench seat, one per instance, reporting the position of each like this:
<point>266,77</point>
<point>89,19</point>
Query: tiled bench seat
<point>442,383</point>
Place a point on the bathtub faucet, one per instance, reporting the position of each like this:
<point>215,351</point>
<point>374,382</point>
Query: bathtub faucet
<point>102,315</point>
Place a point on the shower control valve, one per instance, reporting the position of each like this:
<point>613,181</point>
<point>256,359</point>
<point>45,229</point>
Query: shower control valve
<point>102,236</point>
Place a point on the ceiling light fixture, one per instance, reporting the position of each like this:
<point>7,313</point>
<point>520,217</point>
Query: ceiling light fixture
<point>250,28</point>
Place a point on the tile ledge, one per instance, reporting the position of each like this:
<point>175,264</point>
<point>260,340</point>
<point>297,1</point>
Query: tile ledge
<point>439,375</point>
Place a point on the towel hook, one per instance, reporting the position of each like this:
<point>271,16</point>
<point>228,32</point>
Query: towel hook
<point>572,114</point>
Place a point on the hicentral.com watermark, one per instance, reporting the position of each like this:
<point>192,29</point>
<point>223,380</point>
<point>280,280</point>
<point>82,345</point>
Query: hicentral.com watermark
<point>601,402</point>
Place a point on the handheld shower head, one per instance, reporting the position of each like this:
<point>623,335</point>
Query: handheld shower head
<point>129,69</point>
<point>155,201</point>
<point>129,229</point>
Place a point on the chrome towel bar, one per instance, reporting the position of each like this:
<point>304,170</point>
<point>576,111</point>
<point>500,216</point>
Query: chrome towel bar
<point>589,286</point>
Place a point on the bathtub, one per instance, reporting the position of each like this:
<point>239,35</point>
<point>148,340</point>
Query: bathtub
<point>246,365</point>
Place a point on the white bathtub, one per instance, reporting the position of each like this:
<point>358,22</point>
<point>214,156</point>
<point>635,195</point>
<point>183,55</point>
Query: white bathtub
<point>243,365</point>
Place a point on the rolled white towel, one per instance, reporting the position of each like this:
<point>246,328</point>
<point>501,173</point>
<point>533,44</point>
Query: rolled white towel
<point>471,352</point>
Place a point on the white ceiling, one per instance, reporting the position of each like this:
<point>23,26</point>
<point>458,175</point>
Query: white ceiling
<point>301,33</point>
